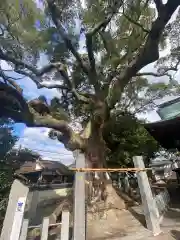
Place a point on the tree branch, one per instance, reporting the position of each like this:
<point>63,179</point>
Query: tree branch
<point>21,111</point>
<point>18,63</point>
<point>135,23</point>
<point>55,17</point>
<point>164,73</point>
<point>13,104</point>
<point>69,138</point>
<point>89,40</point>
<point>89,46</point>
<point>147,54</point>
<point>36,74</point>
<point>154,74</point>
<point>101,33</point>
<point>70,85</point>
<point>159,5</point>
<point>12,82</point>
<point>89,37</point>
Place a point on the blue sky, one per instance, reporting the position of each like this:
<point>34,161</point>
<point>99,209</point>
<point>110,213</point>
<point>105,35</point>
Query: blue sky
<point>37,138</point>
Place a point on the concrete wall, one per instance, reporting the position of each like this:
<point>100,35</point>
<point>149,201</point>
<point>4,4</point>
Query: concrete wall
<point>43,203</point>
<point>17,190</point>
<point>38,204</point>
<point>47,195</point>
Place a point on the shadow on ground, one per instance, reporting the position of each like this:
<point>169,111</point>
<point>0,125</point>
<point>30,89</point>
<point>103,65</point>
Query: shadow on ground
<point>139,216</point>
<point>133,207</point>
<point>175,234</point>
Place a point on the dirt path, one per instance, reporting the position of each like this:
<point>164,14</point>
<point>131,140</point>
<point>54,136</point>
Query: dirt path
<point>116,224</point>
<point>130,224</point>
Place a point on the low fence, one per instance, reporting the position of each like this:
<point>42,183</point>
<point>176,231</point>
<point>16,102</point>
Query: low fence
<point>42,232</point>
<point>162,200</point>
<point>16,226</point>
<point>128,184</point>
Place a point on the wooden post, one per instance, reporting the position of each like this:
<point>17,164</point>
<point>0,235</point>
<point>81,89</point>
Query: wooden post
<point>15,211</point>
<point>45,228</point>
<point>79,227</point>
<point>148,202</point>
<point>24,230</point>
<point>65,226</point>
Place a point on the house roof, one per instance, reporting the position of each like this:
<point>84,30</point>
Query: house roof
<point>52,165</point>
<point>30,166</point>
<point>168,103</point>
<point>166,132</point>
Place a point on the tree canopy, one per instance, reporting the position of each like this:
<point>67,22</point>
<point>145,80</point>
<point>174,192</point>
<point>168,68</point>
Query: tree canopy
<point>95,55</point>
<point>128,138</point>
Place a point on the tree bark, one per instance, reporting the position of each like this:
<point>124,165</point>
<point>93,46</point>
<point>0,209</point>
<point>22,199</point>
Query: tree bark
<point>104,204</point>
<point>95,155</point>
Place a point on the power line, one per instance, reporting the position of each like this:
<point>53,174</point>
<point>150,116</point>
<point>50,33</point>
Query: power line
<point>35,149</point>
<point>42,150</point>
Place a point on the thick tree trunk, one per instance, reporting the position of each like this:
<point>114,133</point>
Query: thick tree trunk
<point>103,191</point>
<point>105,206</point>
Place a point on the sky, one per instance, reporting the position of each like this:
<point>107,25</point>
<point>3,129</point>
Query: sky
<point>37,138</point>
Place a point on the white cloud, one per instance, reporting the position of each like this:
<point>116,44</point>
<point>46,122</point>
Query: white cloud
<point>31,91</point>
<point>5,66</point>
<point>37,139</point>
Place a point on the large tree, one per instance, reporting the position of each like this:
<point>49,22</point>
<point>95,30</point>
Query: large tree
<point>98,84</point>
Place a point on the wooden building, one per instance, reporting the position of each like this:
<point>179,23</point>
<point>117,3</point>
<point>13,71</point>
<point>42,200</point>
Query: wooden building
<point>167,131</point>
<point>44,172</point>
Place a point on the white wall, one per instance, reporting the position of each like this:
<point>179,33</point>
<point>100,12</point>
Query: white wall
<point>48,195</point>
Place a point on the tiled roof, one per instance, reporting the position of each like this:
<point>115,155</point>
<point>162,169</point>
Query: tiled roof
<point>52,165</point>
<point>166,132</point>
<point>44,165</point>
<point>27,167</point>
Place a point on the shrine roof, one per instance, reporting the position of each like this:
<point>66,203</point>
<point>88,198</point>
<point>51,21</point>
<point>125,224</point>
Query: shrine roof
<point>166,132</point>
